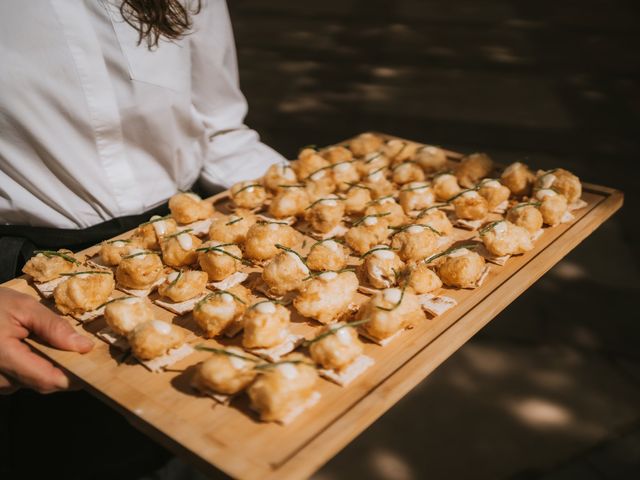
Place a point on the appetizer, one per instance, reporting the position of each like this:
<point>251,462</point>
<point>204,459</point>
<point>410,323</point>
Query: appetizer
<point>48,265</point>
<point>179,249</point>
<point>416,196</point>
<point>562,181</point>
<point>422,279</point>
<point>327,255</point>
<point>382,266</point>
<point>415,242</point>
<point>249,195</point>
<point>518,178</point>
<point>219,260</point>
<point>232,228</point>
<point>140,270</point>
<point>367,232</point>
<point>266,325</point>
<point>553,206</point>
<point>149,234</point>
<point>460,268</point>
<point>188,208</point>
<point>284,390</point>
<point>406,172</point>
<point>526,215</point>
<point>388,210</point>
<point>284,273</point>
<point>263,237</point>
<point>221,311</point>
<point>431,159</point>
<point>183,285</point>
<point>279,175</point>
<point>325,214</point>
<point>123,314</point>
<point>327,296</point>
<point>357,198</point>
<point>445,185</point>
<point>504,238</point>
<point>389,312</point>
<point>83,291</point>
<point>290,201</point>
<point>365,144</point>
<point>155,339</point>
<point>470,205</point>
<point>494,193</point>
<point>473,168</point>
<point>227,372</point>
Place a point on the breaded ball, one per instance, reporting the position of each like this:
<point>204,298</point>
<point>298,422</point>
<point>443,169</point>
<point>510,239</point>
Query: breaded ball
<point>473,168</point>
<point>399,150</point>
<point>283,388</point>
<point>344,174</point>
<point>140,270</point>
<point>279,174</point>
<point>518,178</point>
<point>378,182</point>
<point>184,285</point>
<point>149,234</point>
<point>266,325</point>
<point>319,184</point>
<point>552,206</point>
<point>505,238</point>
<point>327,255</point>
<point>337,154</point>
<point>83,292</point>
<point>232,228</point>
<point>365,144</point>
<point>356,199</point>
<point>221,309</point>
<point>407,172</point>
<point>416,196</point>
<point>389,312</point>
<point>325,214</point>
<point>391,212</point>
<point>328,296</point>
<point>155,338</point>
<point>365,235</point>
<point>436,219</point>
<point>526,215</point>
<point>445,186</point>
<point>248,194</point>
<point>284,273</point>
<point>562,181</point>
<point>382,266</point>
<point>462,268</point>
<point>262,239</point>
<point>225,374</point>
<point>289,202</point>
<point>111,252</point>
<point>415,242</point>
<point>124,314</point>
<point>422,279</point>
<point>308,162</point>
<point>471,206</point>
<point>337,347</point>
<point>494,193</point>
<point>431,159</point>
<point>188,208</point>
<point>219,260</point>
<point>179,249</point>
<point>47,265</point>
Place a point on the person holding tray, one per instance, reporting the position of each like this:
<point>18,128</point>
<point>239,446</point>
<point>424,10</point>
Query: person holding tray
<point>108,108</point>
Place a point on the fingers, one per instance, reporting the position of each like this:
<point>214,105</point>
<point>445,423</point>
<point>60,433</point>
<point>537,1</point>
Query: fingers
<point>29,369</point>
<point>7,385</point>
<point>54,329</point>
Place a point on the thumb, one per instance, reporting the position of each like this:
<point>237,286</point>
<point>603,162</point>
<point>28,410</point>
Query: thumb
<point>54,329</point>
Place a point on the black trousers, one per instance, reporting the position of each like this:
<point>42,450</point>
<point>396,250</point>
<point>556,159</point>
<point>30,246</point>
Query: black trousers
<point>68,435</point>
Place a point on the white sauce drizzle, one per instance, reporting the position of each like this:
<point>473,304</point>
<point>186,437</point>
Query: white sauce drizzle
<point>328,276</point>
<point>392,295</point>
<point>266,308</point>
<point>185,241</point>
<point>161,327</point>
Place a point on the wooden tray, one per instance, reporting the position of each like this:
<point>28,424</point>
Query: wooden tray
<point>232,440</point>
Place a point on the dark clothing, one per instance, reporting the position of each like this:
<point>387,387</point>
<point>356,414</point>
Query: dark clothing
<point>69,435</point>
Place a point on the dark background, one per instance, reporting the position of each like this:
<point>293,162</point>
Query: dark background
<point>551,388</point>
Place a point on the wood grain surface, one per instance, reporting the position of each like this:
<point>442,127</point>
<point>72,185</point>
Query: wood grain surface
<point>231,439</point>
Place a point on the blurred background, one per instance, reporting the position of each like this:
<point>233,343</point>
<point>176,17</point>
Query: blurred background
<point>551,387</point>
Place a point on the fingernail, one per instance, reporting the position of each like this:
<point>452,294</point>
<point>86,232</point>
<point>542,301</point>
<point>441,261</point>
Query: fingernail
<point>81,342</point>
<point>62,381</point>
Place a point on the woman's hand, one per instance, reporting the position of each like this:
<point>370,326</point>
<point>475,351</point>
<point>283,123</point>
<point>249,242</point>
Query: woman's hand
<point>21,315</point>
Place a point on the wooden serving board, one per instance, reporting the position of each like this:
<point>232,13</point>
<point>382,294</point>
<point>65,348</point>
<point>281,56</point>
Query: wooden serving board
<point>231,439</point>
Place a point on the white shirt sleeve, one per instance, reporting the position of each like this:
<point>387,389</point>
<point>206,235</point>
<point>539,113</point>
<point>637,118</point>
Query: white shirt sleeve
<point>231,151</point>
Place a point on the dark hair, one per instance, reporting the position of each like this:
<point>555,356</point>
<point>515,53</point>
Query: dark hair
<point>155,18</point>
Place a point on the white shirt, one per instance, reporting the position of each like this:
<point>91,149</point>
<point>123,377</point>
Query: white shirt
<point>94,126</point>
